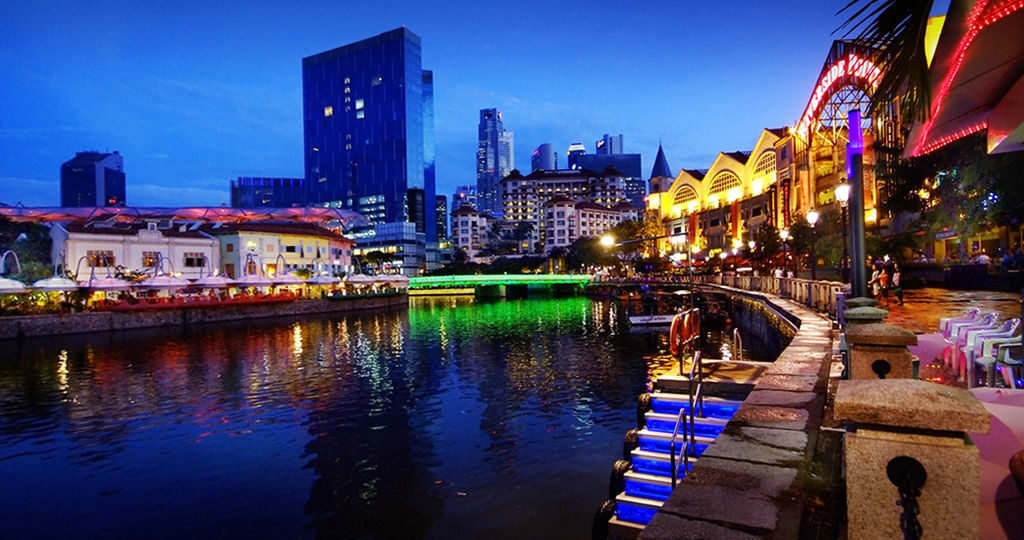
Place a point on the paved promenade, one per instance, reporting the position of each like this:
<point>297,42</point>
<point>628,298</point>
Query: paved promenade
<point>922,308</point>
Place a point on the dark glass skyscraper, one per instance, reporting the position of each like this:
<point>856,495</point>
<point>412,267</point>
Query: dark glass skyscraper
<point>256,192</point>
<point>367,108</point>
<point>494,160</point>
<point>92,179</point>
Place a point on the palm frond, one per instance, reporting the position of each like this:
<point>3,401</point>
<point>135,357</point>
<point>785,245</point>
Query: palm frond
<point>897,29</point>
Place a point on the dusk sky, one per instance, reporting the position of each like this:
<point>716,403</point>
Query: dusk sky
<point>195,94</point>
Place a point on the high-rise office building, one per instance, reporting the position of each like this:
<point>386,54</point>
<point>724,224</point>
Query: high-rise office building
<point>368,129</point>
<point>92,179</point>
<point>544,158</point>
<point>575,151</point>
<point>441,209</point>
<point>255,192</point>
<point>494,160</point>
<point>609,144</point>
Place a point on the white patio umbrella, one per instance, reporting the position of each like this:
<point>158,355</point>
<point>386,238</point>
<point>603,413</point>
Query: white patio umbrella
<point>163,281</point>
<point>322,279</point>
<point>8,285</point>
<point>214,282</point>
<point>254,280</point>
<point>56,284</point>
<point>109,283</point>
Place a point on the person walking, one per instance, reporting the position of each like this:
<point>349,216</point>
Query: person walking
<point>876,282</point>
<point>897,287</point>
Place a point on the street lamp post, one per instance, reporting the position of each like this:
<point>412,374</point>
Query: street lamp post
<point>843,196</point>
<point>784,235</point>
<point>812,218</point>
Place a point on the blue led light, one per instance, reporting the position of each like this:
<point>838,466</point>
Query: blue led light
<point>647,490</point>
<point>633,513</point>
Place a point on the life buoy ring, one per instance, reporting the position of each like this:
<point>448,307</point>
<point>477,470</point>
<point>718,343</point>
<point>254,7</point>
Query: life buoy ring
<point>638,309</point>
<point>713,307</point>
<point>662,309</point>
<point>677,335</point>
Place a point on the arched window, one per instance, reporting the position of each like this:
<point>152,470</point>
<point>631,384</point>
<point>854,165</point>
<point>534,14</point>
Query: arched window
<point>765,164</point>
<point>724,181</point>
<point>685,195</point>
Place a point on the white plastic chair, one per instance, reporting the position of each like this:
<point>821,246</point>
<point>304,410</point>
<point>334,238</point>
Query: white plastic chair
<point>971,315</point>
<point>974,346</point>
<point>958,337</point>
<point>1010,365</point>
<point>988,360</point>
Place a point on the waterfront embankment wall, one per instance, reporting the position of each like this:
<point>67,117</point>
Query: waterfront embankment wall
<point>754,480</point>
<point>18,327</point>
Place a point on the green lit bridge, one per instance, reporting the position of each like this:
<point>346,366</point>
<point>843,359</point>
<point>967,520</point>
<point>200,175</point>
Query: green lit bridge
<point>499,285</point>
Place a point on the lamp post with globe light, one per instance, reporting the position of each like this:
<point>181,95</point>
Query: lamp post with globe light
<point>843,196</point>
<point>812,218</point>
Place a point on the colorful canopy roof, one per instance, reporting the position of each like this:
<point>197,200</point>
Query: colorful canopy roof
<point>211,214</point>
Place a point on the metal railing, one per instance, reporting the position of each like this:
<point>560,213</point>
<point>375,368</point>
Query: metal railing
<point>737,345</point>
<point>821,296</point>
<point>685,454</point>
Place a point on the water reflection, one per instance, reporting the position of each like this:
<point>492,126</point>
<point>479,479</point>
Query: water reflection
<point>456,419</point>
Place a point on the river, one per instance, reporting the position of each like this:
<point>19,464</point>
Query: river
<point>454,419</point>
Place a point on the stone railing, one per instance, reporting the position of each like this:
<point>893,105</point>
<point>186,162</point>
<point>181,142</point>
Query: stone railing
<point>821,296</point>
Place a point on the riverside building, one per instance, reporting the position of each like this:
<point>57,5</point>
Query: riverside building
<point>495,159</point>
<point>93,179</point>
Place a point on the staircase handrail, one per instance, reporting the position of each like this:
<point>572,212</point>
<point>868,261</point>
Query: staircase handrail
<point>681,418</point>
<point>737,345</point>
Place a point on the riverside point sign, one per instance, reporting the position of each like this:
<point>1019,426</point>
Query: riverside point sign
<point>851,70</point>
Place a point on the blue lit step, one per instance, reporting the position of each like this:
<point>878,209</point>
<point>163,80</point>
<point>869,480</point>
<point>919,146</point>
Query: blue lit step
<point>668,403</point>
<point>656,463</point>
<point>658,441</point>
<point>648,486</point>
<point>635,509</point>
<point>707,427</point>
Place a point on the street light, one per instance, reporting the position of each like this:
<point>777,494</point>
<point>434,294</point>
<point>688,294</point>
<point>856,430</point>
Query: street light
<point>784,235</point>
<point>812,218</point>
<point>607,240</point>
<point>843,196</point>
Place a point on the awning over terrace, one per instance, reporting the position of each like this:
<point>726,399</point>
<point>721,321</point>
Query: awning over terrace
<point>977,79</point>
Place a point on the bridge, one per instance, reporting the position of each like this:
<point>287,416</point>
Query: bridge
<point>498,285</point>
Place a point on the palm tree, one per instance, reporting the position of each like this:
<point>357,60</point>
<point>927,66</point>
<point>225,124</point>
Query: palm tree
<point>897,29</point>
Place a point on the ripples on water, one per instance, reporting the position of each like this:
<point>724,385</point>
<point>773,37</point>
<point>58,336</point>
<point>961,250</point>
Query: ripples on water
<point>456,419</point>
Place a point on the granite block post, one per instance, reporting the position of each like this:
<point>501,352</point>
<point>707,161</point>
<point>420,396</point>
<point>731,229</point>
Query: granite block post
<point>906,444</point>
<point>879,351</point>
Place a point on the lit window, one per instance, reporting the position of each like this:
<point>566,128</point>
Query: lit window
<point>377,81</point>
<point>329,111</point>
<point>360,114</point>
<point>359,104</point>
<point>347,80</point>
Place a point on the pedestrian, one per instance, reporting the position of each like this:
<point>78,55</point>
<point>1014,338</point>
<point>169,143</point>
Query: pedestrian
<point>883,281</point>
<point>876,282</point>
<point>897,287</point>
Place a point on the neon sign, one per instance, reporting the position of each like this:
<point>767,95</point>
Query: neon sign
<point>852,66</point>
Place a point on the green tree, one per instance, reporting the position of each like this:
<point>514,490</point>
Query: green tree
<point>586,252</point>
<point>766,244</point>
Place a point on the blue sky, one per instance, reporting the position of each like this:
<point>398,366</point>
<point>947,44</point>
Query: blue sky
<point>195,95</point>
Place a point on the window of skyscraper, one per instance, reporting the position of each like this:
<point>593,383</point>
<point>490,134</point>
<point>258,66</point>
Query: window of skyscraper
<point>359,104</point>
<point>329,110</point>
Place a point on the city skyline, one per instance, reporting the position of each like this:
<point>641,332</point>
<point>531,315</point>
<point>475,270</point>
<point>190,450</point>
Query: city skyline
<point>193,104</point>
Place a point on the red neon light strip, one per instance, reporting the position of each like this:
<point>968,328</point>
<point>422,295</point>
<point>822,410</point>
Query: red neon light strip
<point>974,28</point>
